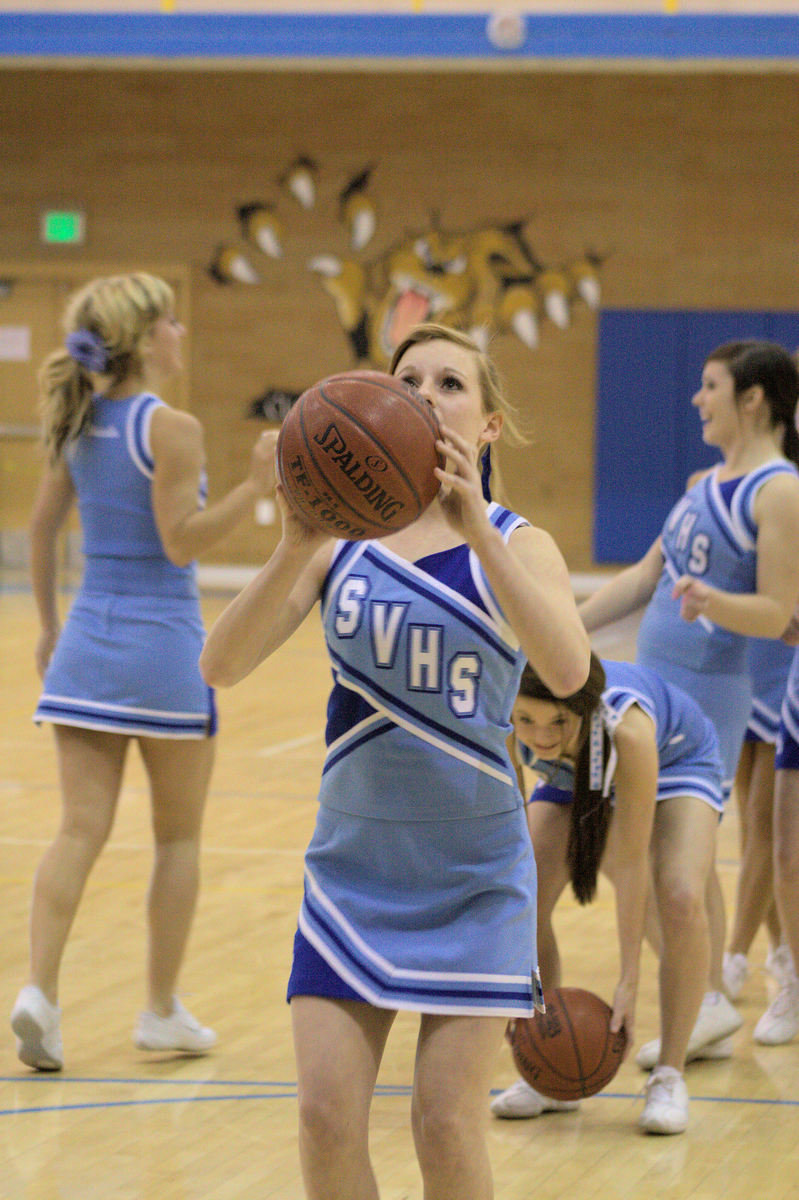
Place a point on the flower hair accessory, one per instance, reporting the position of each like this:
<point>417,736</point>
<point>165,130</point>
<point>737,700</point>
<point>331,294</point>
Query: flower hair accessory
<point>88,349</point>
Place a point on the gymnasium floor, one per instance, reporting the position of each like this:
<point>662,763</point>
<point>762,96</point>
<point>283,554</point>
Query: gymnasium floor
<point>120,1124</point>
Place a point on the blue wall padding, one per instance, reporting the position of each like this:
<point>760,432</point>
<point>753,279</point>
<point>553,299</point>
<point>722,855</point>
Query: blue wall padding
<point>648,436</point>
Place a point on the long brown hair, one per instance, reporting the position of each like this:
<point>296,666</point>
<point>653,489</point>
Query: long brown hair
<point>590,810</point>
<point>768,364</point>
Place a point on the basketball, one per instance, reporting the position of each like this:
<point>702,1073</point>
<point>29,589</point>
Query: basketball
<point>568,1052</point>
<point>356,455</point>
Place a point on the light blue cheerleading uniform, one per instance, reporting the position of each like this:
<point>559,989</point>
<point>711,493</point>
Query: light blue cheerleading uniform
<point>769,665</point>
<point>687,744</point>
<point>710,534</point>
<point>787,756</point>
<point>127,658</point>
<point>420,884</point>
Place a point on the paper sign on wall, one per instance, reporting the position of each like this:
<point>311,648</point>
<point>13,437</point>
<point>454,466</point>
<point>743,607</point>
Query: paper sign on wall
<point>15,343</point>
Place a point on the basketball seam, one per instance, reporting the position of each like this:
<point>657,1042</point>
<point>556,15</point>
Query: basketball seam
<point>364,521</point>
<point>403,395</point>
<point>421,406</point>
<point>559,1084</point>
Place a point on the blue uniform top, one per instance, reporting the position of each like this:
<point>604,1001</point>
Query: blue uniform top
<point>111,465</point>
<point>710,534</point>
<point>426,669</point>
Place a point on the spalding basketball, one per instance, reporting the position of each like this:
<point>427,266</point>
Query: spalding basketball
<point>356,455</point>
<point>568,1052</point>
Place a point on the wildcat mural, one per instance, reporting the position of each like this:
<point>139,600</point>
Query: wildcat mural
<point>486,280</point>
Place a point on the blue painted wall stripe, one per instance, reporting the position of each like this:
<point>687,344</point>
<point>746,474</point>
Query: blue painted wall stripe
<point>395,36</point>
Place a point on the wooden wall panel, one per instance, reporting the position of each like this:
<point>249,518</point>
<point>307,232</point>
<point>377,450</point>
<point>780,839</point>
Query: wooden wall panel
<point>686,182</point>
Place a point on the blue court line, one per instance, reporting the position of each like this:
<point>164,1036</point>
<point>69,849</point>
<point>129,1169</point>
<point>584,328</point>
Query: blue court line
<point>43,1108</point>
<point>395,36</point>
<point>382,1091</point>
<point>775,1102</point>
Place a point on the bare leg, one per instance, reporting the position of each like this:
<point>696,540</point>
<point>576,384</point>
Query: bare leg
<point>754,897</point>
<point>773,924</point>
<point>786,855</point>
<point>549,830</point>
<point>741,788</point>
<point>717,928</point>
<point>652,930</point>
<point>455,1058</point>
<point>338,1045</point>
<point>179,772</point>
<point>651,920</point>
<point>90,767</point>
<point>683,847</point>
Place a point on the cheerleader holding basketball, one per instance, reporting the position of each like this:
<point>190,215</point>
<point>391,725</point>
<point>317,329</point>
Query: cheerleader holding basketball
<point>420,877</point>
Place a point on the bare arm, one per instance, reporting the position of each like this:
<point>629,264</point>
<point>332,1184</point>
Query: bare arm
<point>766,612</point>
<point>186,530</point>
<point>531,582</point>
<point>625,593</point>
<point>271,607</point>
<point>790,635</point>
<point>528,575</point>
<point>635,784</point>
<point>53,502</point>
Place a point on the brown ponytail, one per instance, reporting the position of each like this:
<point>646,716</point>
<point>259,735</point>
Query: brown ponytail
<point>590,821</point>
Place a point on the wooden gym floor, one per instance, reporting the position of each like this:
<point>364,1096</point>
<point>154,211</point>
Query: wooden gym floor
<point>117,1124</point>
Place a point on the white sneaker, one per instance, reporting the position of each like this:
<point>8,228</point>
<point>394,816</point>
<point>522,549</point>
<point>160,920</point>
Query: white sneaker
<point>780,964</point>
<point>717,1020</point>
<point>666,1105</point>
<point>179,1031</point>
<point>734,973</point>
<point>520,1100</point>
<point>780,1021</point>
<point>37,1024</point>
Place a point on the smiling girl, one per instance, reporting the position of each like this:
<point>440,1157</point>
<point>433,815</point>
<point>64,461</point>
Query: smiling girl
<point>724,568</point>
<point>631,775</point>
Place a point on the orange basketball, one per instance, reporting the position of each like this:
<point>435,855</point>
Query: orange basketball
<point>356,455</point>
<point>568,1052</point>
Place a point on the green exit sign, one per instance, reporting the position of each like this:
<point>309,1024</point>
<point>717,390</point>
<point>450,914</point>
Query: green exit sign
<point>63,227</point>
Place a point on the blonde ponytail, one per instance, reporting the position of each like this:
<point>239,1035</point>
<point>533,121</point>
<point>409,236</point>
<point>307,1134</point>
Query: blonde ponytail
<point>104,324</point>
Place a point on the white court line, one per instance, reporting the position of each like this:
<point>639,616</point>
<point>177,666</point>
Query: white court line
<point>230,578</point>
<point>624,631</point>
<point>291,744</point>
<point>245,851</point>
